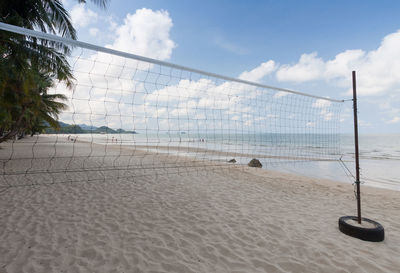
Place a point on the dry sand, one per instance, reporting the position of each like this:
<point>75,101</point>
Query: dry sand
<point>207,219</point>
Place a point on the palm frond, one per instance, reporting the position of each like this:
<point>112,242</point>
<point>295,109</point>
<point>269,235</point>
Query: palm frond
<point>101,3</point>
<point>60,18</point>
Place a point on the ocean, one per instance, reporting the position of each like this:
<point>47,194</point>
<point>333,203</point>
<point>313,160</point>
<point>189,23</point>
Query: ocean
<point>379,162</point>
<point>321,156</point>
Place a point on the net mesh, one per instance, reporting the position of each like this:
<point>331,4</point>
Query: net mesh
<point>128,117</point>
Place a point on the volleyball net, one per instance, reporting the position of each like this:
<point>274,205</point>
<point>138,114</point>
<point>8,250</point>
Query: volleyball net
<point>129,116</point>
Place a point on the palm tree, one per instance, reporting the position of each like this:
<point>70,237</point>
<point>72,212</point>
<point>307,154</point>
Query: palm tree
<point>33,108</point>
<point>43,108</point>
<point>29,66</point>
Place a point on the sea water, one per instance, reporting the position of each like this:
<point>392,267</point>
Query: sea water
<point>321,156</point>
<point>379,162</point>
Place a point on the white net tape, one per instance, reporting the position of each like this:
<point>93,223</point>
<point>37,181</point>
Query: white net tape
<point>128,117</point>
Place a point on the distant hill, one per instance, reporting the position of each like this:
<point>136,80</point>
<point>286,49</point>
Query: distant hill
<point>62,124</point>
<point>66,128</point>
<point>87,127</point>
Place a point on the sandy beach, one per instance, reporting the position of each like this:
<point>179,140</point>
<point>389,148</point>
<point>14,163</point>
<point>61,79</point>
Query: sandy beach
<point>192,216</point>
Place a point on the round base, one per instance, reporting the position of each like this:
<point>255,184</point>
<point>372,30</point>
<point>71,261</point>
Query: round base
<point>369,230</point>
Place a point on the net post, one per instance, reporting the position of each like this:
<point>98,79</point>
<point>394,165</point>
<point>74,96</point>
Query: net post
<point>356,148</point>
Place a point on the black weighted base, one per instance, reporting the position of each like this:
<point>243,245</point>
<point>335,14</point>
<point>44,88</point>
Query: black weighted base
<point>371,234</point>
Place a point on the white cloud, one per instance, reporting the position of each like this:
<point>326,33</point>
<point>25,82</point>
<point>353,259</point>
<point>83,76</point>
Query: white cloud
<point>378,71</point>
<point>280,94</point>
<point>310,124</point>
<point>393,120</point>
<point>112,25</point>
<point>343,63</point>
<point>82,16</point>
<point>122,92</point>
<point>259,72</point>
<point>145,33</point>
<point>307,69</point>
<point>390,103</point>
<point>346,113</point>
<point>320,103</point>
<point>310,67</point>
<point>106,84</point>
<point>93,31</point>
<point>323,105</point>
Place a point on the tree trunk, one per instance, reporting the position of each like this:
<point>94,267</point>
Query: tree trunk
<point>16,128</point>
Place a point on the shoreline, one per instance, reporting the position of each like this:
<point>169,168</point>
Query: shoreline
<point>172,155</point>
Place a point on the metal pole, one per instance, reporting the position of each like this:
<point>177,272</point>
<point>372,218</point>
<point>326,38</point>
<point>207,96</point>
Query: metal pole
<point>356,148</point>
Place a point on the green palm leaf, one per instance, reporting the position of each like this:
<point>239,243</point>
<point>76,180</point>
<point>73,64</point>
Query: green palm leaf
<point>29,66</point>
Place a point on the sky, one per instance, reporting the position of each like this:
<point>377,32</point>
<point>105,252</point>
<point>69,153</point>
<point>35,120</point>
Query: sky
<point>309,46</point>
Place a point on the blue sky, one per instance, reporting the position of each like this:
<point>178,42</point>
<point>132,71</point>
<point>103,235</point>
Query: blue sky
<point>311,45</point>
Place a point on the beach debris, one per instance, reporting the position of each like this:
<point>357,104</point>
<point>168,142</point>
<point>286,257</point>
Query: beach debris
<point>232,160</point>
<point>255,163</point>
